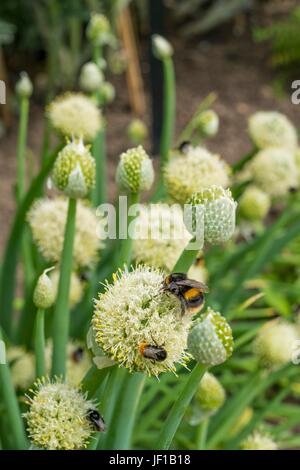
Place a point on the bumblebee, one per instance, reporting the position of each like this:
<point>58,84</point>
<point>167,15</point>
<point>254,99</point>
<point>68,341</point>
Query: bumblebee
<point>153,351</point>
<point>96,420</point>
<point>184,146</point>
<point>189,292</point>
<point>78,354</point>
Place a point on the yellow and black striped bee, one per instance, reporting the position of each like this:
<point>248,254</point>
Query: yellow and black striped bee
<point>153,352</point>
<point>96,420</point>
<point>189,292</point>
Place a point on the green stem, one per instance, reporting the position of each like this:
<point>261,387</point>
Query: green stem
<point>128,404</point>
<point>202,434</point>
<point>11,406</point>
<point>179,408</point>
<point>9,266</point>
<point>100,191</point>
<point>61,311</point>
<point>93,379</point>
<point>97,54</point>
<point>169,110</point>
<point>21,149</point>
<point>39,343</point>
<point>186,260</point>
<point>125,251</point>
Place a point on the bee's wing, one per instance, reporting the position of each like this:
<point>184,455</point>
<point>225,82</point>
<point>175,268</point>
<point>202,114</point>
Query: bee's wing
<point>192,283</point>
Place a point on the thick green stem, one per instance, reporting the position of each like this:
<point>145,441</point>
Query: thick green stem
<point>61,316</point>
<point>169,110</point>
<point>9,266</point>
<point>124,256</point>
<point>202,434</point>
<point>100,190</point>
<point>179,408</point>
<point>185,260</point>
<point>11,406</point>
<point>39,343</point>
<point>21,149</point>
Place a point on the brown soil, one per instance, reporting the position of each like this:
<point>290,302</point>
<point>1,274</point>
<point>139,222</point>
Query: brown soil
<point>236,69</point>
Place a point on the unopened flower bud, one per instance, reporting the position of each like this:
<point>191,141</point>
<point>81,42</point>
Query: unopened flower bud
<point>162,49</point>
<point>135,170</point>
<point>219,213</point>
<point>137,131</point>
<point>208,123</point>
<point>74,170</point>
<point>210,394</point>
<point>24,86</point>
<point>90,78</point>
<point>254,203</point>
<point>107,93</point>
<point>44,293</point>
<point>210,341</point>
<point>99,30</point>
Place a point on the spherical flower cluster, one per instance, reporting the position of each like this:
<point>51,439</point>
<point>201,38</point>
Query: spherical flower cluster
<point>137,131</point>
<point>162,49</point>
<point>22,367</point>
<point>219,213</point>
<point>254,203</point>
<point>259,441</point>
<point>134,312</point>
<point>24,86</point>
<point>99,30</point>
<point>196,169</point>
<point>76,287</point>
<point>274,170</point>
<point>275,342</point>
<point>75,115</point>
<point>90,78</point>
<point>57,418</point>
<point>272,129</point>
<point>47,219</point>
<point>207,123</point>
<point>74,170</point>
<point>210,394</point>
<point>160,236</point>
<point>135,170</point>
<point>210,340</point>
<point>44,294</point>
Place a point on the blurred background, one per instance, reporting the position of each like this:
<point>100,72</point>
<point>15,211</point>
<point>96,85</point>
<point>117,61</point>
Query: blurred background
<point>245,51</point>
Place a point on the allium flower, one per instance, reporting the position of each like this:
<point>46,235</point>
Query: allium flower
<point>24,86</point>
<point>22,367</point>
<point>90,78</point>
<point>259,441</point>
<point>133,312</point>
<point>219,213</point>
<point>107,93</point>
<point>74,170</point>
<point>137,131</point>
<point>210,340</point>
<point>78,361</point>
<point>99,30</point>
<point>208,123</point>
<point>57,418</point>
<point>135,170</point>
<point>161,236</point>
<point>274,170</point>
<point>44,294</point>
<point>196,169</point>
<point>254,203</point>
<point>272,129</point>
<point>275,342</point>
<point>76,287</point>
<point>75,115</point>
<point>162,49</point>
<point>47,219</point>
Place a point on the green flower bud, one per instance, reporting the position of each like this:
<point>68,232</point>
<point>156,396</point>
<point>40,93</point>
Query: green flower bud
<point>210,341</point>
<point>135,170</point>
<point>74,170</point>
<point>137,131</point>
<point>107,93</point>
<point>99,30</point>
<point>254,203</point>
<point>210,394</point>
<point>162,49</point>
<point>208,123</point>
<point>219,213</point>
<point>272,129</point>
<point>24,86</point>
<point>44,293</point>
<point>259,441</point>
<point>90,78</point>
